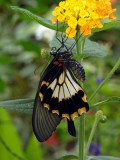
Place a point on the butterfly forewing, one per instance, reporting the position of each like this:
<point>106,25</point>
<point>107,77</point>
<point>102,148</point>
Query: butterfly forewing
<point>44,122</point>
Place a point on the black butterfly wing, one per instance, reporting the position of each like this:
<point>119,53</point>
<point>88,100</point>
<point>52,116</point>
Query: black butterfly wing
<point>75,101</point>
<point>44,122</point>
<point>62,94</point>
<point>59,96</point>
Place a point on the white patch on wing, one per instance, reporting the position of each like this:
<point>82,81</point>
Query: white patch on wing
<point>70,87</point>
<point>64,87</point>
<point>61,78</point>
<point>61,94</point>
<point>67,94</point>
<point>55,93</point>
<point>76,86</point>
<point>52,85</point>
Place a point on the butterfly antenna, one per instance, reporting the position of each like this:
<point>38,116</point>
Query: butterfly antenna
<point>63,39</point>
<point>73,45</point>
<point>76,40</point>
<point>57,34</point>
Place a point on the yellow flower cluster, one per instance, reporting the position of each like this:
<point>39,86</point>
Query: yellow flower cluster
<point>82,14</point>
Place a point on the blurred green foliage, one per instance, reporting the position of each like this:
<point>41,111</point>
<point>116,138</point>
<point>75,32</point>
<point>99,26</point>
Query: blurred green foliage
<point>20,67</point>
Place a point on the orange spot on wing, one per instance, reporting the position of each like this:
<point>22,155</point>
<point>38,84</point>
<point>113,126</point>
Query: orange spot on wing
<point>44,83</point>
<point>65,115</point>
<point>46,106</point>
<point>55,111</point>
<point>75,114</point>
<point>41,96</point>
<point>84,98</point>
<point>82,110</point>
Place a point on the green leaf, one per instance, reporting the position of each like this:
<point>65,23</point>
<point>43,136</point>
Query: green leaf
<point>20,105</point>
<point>109,100</point>
<point>36,18</point>
<point>102,158</point>
<point>94,49</point>
<point>68,157</point>
<point>32,16</point>
<point>34,149</point>
<point>90,49</point>
<point>26,105</point>
<point>107,26</point>
<point>10,143</point>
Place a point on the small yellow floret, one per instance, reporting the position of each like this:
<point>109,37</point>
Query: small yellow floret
<point>70,32</point>
<point>72,22</point>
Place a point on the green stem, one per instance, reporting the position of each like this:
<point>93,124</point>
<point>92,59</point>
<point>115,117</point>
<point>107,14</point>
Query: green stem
<point>81,134</point>
<point>113,99</point>
<point>105,80</point>
<point>98,116</point>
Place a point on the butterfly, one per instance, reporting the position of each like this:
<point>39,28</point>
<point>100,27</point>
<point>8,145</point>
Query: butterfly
<point>59,95</point>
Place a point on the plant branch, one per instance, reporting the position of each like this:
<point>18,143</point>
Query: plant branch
<point>98,116</point>
<point>105,80</point>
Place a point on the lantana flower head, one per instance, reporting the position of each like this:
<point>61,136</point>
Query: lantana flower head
<point>83,14</point>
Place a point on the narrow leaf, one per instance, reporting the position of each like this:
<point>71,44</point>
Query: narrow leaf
<point>107,26</point>
<point>68,157</point>
<point>109,100</point>
<point>20,105</point>
<point>26,105</point>
<point>32,16</point>
<point>40,20</point>
<point>102,158</point>
<point>10,142</point>
<point>34,149</point>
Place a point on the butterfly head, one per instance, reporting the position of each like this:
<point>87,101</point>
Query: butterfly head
<point>60,54</point>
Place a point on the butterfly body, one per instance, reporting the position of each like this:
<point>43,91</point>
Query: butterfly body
<point>59,95</point>
<point>78,70</point>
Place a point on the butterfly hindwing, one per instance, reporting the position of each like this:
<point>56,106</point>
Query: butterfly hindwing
<point>44,122</point>
<point>61,93</point>
<point>71,128</point>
